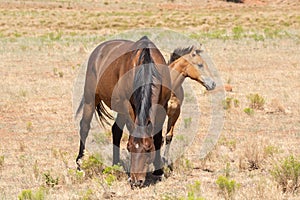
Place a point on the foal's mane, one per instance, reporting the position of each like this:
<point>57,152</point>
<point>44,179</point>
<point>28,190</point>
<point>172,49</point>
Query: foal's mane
<point>177,53</point>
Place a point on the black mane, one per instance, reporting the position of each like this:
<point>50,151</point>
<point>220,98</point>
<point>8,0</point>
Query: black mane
<point>143,81</point>
<point>177,53</point>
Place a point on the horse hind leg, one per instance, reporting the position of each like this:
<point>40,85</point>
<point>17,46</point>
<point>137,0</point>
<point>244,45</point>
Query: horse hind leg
<point>117,132</point>
<point>88,111</point>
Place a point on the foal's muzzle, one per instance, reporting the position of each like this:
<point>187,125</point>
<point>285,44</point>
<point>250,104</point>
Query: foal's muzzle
<point>209,84</point>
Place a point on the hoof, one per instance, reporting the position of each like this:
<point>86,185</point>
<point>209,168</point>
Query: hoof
<point>158,174</point>
<point>167,162</point>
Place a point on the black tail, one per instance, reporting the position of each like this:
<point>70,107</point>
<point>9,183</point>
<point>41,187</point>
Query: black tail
<point>102,113</point>
<point>144,82</point>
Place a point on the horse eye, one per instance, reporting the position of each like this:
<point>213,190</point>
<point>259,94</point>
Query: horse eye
<point>198,51</point>
<point>193,54</point>
<point>200,65</point>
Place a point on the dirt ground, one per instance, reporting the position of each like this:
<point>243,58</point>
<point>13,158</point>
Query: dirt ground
<point>255,47</point>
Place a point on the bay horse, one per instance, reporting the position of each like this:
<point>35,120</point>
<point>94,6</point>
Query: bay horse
<point>131,78</point>
<point>183,63</point>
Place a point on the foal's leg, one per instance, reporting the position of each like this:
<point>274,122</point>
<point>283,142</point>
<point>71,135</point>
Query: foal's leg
<point>169,136</point>
<point>117,132</point>
<point>88,111</point>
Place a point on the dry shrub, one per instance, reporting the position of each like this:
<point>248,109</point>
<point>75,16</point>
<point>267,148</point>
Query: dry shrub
<point>253,156</point>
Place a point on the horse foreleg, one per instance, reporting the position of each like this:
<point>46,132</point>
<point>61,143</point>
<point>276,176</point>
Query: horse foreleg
<point>117,132</point>
<point>158,161</point>
<point>88,111</point>
<point>172,118</point>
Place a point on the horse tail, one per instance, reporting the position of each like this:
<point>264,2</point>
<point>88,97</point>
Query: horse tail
<point>144,82</point>
<point>102,114</point>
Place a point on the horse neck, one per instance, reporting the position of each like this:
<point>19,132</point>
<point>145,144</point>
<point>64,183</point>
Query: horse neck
<point>178,74</point>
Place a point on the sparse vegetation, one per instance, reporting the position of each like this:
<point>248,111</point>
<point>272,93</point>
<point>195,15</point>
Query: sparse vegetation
<point>28,194</point>
<point>253,49</point>
<point>227,187</point>
<point>187,122</point>
<point>29,126</point>
<point>92,166</point>
<point>1,161</point>
<point>76,176</point>
<point>287,174</point>
<point>249,111</point>
<point>194,191</point>
<point>256,101</point>
<point>112,173</point>
<point>227,103</point>
<point>50,180</point>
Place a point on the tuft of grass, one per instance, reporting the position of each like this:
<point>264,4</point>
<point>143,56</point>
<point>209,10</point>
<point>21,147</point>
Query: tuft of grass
<point>76,176</point>
<point>187,122</point>
<point>228,187</point>
<point>36,170</point>
<point>29,126</point>
<point>23,93</point>
<point>270,150</point>
<point>237,32</point>
<point>287,174</point>
<point>249,111</point>
<point>87,195</point>
<point>256,101</point>
<point>194,191</point>
<point>58,73</point>
<point>93,165</point>
<point>50,180</point>
<point>227,103</point>
<point>28,194</point>
<point>112,173</point>
<point>1,161</point>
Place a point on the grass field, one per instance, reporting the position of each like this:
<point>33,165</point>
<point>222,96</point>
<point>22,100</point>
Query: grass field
<point>255,47</point>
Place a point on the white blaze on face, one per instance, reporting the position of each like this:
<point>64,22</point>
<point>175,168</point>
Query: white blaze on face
<point>136,145</point>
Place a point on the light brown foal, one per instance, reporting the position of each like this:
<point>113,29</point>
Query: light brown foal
<point>185,62</point>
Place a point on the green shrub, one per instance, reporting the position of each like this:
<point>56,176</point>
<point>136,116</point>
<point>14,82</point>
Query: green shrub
<point>76,176</point>
<point>30,195</point>
<point>227,187</point>
<point>92,166</point>
<point>249,111</point>
<point>194,191</point>
<point>49,180</point>
<point>227,103</point>
<point>287,174</point>
<point>256,101</point>
<point>112,173</point>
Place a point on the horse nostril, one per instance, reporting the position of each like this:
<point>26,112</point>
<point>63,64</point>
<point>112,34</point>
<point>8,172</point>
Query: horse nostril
<point>214,85</point>
<point>139,183</point>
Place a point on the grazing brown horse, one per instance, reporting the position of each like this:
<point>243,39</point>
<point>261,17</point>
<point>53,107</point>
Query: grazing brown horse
<point>131,78</point>
<point>184,62</point>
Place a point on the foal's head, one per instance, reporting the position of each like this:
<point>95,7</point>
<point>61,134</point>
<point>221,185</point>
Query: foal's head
<point>189,62</point>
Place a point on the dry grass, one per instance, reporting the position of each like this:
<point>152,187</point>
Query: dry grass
<point>44,43</point>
